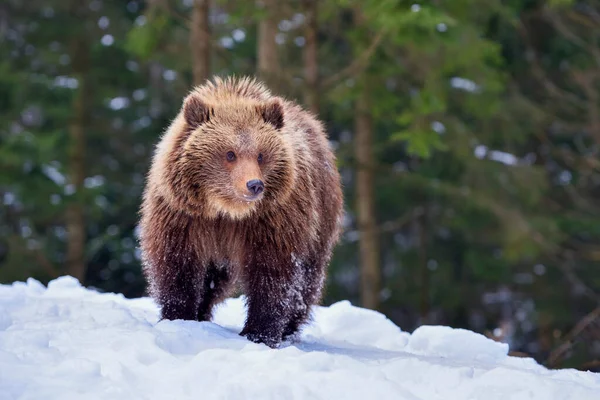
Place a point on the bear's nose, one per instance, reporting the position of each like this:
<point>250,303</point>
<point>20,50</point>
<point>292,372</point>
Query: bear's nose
<point>255,186</point>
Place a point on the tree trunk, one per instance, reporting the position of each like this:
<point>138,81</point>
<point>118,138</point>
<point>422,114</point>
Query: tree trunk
<point>424,275</point>
<point>368,245</point>
<point>200,41</point>
<point>311,63</point>
<point>268,60</point>
<point>75,219</point>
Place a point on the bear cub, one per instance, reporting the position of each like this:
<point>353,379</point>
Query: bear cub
<point>243,188</point>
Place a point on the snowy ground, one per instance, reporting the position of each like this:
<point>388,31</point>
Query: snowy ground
<point>66,342</point>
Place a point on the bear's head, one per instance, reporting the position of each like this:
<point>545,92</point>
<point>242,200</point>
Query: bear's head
<point>232,157</point>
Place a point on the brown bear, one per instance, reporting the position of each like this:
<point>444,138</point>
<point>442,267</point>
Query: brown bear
<point>243,187</point>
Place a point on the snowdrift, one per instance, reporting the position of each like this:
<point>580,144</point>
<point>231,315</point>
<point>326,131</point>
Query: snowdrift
<point>67,342</point>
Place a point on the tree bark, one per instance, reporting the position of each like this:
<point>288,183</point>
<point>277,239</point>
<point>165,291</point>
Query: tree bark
<point>368,245</point>
<point>424,275</point>
<point>75,218</point>
<point>268,61</point>
<point>311,62</point>
<point>200,41</point>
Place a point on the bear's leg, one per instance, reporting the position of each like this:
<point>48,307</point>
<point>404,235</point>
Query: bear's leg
<point>312,278</point>
<point>296,321</point>
<point>217,281</point>
<point>178,294</point>
<point>272,297</point>
<point>293,327</point>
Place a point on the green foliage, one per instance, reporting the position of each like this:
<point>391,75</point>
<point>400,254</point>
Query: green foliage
<point>421,139</point>
<point>144,39</point>
<point>560,3</point>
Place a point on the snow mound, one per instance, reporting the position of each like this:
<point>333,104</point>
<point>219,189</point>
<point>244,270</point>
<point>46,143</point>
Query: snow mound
<point>68,342</point>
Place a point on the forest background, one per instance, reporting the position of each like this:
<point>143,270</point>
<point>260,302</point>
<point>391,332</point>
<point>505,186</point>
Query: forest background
<point>467,133</point>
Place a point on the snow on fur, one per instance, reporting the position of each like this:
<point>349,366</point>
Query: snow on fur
<point>68,342</point>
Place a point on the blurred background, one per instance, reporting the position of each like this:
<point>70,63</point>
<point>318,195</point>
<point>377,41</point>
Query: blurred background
<point>467,132</point>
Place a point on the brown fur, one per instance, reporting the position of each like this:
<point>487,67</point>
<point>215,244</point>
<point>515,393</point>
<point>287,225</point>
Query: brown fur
<point>200,233</point>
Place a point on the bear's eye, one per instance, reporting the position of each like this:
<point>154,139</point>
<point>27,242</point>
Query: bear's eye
<point>260,158</point>
<point>230,156</point>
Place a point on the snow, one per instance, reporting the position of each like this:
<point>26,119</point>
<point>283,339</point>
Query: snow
<point>503,157</point>
<point>68,342</point>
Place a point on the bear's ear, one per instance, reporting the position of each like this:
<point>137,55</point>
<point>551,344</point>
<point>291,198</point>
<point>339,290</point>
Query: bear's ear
<point>196,112</point>
<point>272,113</point>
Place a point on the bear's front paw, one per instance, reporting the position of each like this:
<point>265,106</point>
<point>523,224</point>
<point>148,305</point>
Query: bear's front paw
<point>261,337</point>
